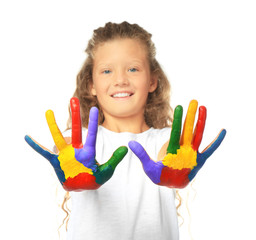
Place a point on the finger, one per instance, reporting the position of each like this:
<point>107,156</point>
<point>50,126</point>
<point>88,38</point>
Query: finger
<point>187,133</point>
<point>56,134</point>
<point>174,142</point>
<point>76,123</point>
<point>50,156</point>
<point>140,152</point>
<point>199,128</point>
<point>208,151</point>
<point>106,170</point>
<point>151,168</point>
<point>117,156</point>
<point>92,130</point>
<point>39,148</point>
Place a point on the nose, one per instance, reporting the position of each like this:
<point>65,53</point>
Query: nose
<point>121,79</point>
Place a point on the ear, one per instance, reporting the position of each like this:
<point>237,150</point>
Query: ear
<point>153,83</point>
<point>93,90</point>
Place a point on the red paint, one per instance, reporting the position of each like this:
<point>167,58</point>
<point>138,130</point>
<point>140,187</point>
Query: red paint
<point>83,181</point>
<point>76,123</point>
<point>174,178</point>
<point>199,130</point>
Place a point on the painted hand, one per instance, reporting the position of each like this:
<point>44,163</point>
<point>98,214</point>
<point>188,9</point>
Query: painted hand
<point>75,165</point>
<point>182,161</point>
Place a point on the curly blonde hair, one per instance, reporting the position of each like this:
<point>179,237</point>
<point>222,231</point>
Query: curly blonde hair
<point>158,112</point>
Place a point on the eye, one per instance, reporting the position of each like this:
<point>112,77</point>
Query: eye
<point>133,70</point>
<point>106,71</point>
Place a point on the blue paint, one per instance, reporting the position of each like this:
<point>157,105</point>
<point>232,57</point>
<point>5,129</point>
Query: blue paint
<point>202,157</point>
<point>52,158</point>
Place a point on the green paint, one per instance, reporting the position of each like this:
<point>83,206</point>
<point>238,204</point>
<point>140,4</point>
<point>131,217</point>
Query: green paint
<point>174,143</point>
<point>106,170</point>
<point>117,156</point>
<point>103,174</point>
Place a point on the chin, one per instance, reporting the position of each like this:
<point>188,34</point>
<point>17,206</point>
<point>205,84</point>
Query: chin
<point>123,113</point>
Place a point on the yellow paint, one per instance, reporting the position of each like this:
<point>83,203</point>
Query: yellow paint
<point>56,133</point>
<point>70,166</point>
<point>185,158</point>
<point>189,123</point>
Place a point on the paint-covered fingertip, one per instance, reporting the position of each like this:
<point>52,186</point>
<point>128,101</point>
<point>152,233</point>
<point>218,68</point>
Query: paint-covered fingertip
<point>194,102</point>
<point>179,107</point>
<point>121,152</point>
<point>74,104</point>
<point>193,105</point>
<point>49,113</point>
<point>94,112</point>
<point>74,100</point>
<point>123,149</point>
<point>202,108</point>
<point>132,144</point>
<point>202,113</point>
<point>135,147</point>
<point>118,156</point>
<point>223,133</point>
<point>94,109</point>
<point>178,110</point>
<point>27,138</point>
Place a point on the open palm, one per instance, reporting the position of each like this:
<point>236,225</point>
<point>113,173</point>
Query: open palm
<point>182,160</point>
<point>75,164</point>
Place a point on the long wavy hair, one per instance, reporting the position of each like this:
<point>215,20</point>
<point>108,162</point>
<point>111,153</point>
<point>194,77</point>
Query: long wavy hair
<point>158,112</point>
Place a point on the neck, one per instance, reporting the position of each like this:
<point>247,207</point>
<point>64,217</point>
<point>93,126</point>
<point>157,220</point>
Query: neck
<point>132,125</point>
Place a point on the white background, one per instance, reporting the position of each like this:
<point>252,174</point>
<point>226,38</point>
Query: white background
<point>207,49</point>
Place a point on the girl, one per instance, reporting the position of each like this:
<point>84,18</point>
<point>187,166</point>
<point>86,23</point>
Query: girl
<point>122,78</point>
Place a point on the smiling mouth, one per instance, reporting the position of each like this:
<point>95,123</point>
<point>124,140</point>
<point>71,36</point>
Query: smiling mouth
<point>122,95</point>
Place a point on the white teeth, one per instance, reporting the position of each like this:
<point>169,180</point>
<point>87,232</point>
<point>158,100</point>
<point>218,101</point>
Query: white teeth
<point>122,95</point>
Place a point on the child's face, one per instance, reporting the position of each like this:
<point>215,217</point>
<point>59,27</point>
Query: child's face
<point>122,78</point>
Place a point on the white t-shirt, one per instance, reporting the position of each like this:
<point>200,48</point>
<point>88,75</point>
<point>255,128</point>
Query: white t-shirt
<point>129,206</point>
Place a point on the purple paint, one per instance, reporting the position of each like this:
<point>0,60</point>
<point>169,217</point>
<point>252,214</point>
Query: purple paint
<point>87,158</point>
<point>86,155</point>
<point>151,168</point>
<point>92,129</point>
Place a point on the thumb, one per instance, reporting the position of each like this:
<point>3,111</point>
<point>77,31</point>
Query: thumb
<point>140,152</point>
<point>214,145</point>
<point>151,168</point>
<point>40,149</point>
<point>117,157</point>
<point>106,170</point>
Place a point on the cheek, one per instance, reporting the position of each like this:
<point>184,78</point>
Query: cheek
<point>143,88</point>
<point>99,86</point>
<point>101,90</point>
